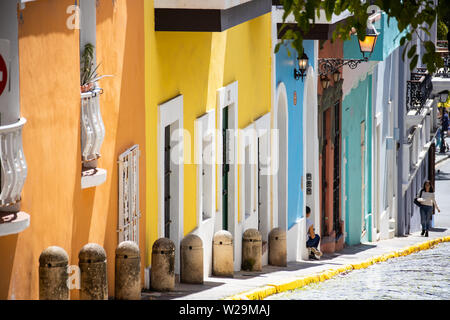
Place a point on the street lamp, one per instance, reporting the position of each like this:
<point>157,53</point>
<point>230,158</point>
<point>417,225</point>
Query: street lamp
<point>302,65</point>
<point>336,76</point>
<point>366,46</point>
<point>325,81</point>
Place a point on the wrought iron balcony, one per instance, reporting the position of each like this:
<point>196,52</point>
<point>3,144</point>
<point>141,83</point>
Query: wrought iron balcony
<point>419,89</point>
<point>92,127</point>
<point>13,164</point>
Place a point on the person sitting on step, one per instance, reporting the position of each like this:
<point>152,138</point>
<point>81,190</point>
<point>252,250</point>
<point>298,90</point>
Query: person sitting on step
<point>313,239</point>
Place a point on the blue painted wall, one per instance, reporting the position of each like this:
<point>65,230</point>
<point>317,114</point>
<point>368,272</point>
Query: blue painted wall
<point>357,108</point>
<point>285,73</point>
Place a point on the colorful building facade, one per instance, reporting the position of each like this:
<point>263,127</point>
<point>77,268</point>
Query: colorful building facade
<point>218,76</point>
<point>198,127</point>
<point>63,210</point>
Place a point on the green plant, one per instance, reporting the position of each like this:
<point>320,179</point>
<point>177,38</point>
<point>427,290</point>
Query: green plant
<point>442,30</point>
<point>412,16</point>
<point>88,71</point>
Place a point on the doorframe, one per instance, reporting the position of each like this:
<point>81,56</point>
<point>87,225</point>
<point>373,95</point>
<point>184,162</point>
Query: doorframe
<point>247,139</point>
<point>205,129</point>
<point>263,133</point>
<point>279,221</point>
<point>228,97</point>
<point>171,113</point>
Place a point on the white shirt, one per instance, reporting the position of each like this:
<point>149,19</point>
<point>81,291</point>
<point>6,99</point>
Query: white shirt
<point>427,198</point>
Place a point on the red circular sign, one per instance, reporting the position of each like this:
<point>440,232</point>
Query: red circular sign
<point>3,75</point>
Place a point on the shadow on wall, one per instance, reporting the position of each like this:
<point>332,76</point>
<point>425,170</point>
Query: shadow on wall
<point>126,120</point>
<point>8,246</point>
<point>83,203</point>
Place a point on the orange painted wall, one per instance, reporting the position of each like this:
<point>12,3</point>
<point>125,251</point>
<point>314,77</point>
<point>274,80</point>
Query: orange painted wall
<point>61,213</point>
<point>328,50</point>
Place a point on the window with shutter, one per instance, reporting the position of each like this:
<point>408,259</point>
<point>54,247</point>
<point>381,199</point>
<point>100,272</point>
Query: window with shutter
<point>129,212</point>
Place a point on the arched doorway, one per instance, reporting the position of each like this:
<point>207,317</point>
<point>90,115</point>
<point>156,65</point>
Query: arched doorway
<point>280,181</point>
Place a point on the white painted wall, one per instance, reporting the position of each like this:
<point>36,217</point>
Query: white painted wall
<point>310,153</point>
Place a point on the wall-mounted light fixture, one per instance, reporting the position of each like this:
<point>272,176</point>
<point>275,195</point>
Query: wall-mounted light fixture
<point>332,65</point>
<point>336,76</point>
<point>325,81</point>
<point>302,65</point>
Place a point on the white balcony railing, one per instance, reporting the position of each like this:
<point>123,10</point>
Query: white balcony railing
<point>13,164</point>
<point>92,127</point>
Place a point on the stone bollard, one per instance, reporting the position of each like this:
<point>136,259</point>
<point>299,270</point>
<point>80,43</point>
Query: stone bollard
<point>191,260</point>
<point>128,272</point>
<point>277,248</point>
<point>53,274</point>
<point>93,278</point>
<point>162,275</point>
<point>252,250</point>
<point>223,262</point>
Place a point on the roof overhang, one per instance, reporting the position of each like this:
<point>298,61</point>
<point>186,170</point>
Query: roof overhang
<point>207,15</point>
<point>321,30</point>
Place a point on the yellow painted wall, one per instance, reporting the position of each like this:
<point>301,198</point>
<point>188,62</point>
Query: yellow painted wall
<point>196,65</point>
<point>61,213</point>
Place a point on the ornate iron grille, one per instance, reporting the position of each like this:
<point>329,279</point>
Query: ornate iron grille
<point>418,90</point>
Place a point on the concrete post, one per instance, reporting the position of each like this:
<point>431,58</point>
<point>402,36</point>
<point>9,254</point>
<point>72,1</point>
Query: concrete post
<point>162,275</point>
<point>53,275</point>
<point>128,272</point>
<point>277,248</point>
<point>191,259</point>
<point>252,250</point>
<point>92,263</point>
<point>223,254</point>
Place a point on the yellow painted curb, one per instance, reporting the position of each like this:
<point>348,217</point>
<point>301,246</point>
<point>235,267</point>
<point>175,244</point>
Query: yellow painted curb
<point>296,283</point>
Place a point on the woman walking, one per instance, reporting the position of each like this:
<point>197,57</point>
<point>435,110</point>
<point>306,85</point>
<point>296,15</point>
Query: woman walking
<point>426,202</point>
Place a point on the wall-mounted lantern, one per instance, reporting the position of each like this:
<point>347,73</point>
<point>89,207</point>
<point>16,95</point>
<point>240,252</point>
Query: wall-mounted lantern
<point>366,46</point>
<point>336,76</point>
<point>302,65</point>
<point>325,81</point>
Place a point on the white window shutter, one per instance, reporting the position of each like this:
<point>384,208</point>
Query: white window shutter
<point>129,213</point>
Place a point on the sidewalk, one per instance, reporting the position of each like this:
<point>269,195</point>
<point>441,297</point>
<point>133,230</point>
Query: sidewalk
<point>440,157</point>
<point>215,288</point>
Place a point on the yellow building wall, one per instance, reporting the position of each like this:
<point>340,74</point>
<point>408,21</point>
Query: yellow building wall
<point>63,214</point>
<point>196,65</point>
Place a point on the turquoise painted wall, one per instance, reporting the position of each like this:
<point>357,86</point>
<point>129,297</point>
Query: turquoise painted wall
<point>356,109</point>
<point>285,73</point>
<point>388,40</point>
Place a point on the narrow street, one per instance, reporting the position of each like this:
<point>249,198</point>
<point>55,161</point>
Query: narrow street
<point>419,276</point>
<point>377,277</point>
<point>442,184</point>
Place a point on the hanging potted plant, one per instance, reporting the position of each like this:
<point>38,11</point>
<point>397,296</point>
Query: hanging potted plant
<point>89,74</point>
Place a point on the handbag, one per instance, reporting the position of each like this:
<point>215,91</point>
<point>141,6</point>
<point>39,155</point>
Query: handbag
<point>416,201</point>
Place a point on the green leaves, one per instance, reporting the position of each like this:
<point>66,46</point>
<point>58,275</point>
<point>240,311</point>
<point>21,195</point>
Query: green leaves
<point>412,16</point>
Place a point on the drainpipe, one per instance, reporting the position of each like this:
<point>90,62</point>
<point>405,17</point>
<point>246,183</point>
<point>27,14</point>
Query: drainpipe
<point>401,127</point>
